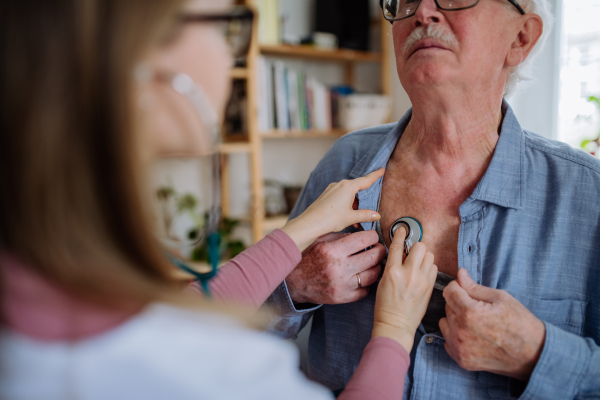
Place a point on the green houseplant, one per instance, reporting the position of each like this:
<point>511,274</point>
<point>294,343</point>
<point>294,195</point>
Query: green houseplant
<point>174,205</point>
<point>592,145</point>
<point>229,247</point>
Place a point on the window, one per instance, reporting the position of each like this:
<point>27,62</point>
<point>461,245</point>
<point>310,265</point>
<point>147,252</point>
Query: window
<point>580,73</point>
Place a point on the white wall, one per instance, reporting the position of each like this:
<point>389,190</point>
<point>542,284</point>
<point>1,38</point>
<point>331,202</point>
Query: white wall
<point>536,104</point>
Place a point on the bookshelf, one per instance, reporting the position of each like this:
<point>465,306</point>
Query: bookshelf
<point>238,73</point>
<point>312,53</point>
<point>311,134</point>
<point>251,143</point>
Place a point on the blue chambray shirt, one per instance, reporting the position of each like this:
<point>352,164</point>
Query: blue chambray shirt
<point>531,227</point>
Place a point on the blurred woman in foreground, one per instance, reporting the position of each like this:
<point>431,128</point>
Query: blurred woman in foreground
<point>89,309</point>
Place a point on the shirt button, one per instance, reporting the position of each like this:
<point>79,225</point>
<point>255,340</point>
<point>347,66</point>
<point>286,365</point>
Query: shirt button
<point>429,339</point>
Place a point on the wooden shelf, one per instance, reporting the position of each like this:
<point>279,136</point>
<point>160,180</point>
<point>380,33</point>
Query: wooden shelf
<point>228,148</point>
<point>238,73</point>
<point>224,148</point>
<point>295,134</point>
<point>253,142</point>
<point>198,266</point>
<point>277,222</point>
<point>320,54</point>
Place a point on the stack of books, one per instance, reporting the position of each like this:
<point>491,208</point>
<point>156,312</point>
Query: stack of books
<point>291,100</point>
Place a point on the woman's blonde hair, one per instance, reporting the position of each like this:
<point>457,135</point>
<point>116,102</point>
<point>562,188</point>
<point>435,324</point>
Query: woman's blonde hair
<point>72,202</point>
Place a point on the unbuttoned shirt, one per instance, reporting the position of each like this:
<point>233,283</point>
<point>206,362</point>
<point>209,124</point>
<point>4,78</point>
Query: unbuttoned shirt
<point>531,227</point>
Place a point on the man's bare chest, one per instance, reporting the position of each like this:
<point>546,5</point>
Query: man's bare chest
<point>436,210</point>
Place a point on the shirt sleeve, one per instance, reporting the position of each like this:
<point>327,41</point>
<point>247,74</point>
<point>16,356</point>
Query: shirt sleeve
<point>287,318</point>
<point>568,368</point>
<point>380,373</point>
<point>254,274</point>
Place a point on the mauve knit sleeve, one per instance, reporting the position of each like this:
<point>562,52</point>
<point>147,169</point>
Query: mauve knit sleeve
<point>380,373</point>
<point>252,276</point>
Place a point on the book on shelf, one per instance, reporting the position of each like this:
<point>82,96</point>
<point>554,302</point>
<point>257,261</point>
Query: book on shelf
<point>290,100</point>
<point>269,22</point>
<point>265,91</point>
<point>281,95</point>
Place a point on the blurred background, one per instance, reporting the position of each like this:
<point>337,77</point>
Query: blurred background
<point>318,69</point>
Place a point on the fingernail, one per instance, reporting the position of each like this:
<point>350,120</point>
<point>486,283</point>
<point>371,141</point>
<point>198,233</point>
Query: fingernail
<point>376,217</point>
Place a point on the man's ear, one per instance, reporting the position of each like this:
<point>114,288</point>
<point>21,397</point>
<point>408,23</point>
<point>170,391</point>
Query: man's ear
<point>529,34</point>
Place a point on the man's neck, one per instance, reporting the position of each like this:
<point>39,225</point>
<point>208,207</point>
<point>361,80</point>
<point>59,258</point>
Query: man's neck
<point>451,137</point>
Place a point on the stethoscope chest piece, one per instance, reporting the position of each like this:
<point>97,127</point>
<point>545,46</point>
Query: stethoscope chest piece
<point>413,229</point>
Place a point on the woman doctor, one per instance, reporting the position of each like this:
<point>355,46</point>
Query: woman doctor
<point>91,93</point>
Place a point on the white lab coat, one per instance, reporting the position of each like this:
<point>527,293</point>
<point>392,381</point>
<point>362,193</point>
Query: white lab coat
<point>162,353</point>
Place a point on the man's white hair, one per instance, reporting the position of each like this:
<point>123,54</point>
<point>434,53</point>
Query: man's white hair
<point>524,71</point>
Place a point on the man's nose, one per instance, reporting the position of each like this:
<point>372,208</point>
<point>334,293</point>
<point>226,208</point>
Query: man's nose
<point>427,13</point>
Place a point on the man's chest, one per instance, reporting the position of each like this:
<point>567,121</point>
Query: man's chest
<point>434,207</point>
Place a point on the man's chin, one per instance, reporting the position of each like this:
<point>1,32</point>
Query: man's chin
<point>430,74</point>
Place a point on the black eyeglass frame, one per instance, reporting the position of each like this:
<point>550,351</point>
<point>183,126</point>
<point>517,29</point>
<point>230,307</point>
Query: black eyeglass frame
<point>513,2</point>
<point>237,13</point>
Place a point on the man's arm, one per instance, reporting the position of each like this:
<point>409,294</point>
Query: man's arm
<point>287,319</point>
<point>335,269</point>
<point>568,368</point>
<point>489,330</point>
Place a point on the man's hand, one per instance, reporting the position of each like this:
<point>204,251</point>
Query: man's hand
<point>489,330</point>
<point>327,272</point>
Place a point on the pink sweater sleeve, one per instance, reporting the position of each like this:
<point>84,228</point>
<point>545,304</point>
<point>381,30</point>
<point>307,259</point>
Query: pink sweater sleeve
<point>380,373</point>
<point>252,276</point>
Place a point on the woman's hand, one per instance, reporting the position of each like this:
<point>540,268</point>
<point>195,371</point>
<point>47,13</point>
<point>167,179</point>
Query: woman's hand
<point>332,211</point>
<point>404,292</point>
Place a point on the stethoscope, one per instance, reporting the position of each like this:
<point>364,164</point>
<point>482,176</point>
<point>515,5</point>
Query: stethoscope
<point>213,240</point>
<point>414,231</point>
<point>195,93</point>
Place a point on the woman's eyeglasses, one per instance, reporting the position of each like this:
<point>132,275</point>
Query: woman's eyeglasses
<point>236,26</point>
<point>396,10</point>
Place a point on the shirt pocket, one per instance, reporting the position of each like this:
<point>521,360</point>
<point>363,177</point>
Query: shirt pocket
<point>567,315</point>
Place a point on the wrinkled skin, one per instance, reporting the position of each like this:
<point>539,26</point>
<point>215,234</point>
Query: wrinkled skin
<point>489,330</point>
<point>327,272</point>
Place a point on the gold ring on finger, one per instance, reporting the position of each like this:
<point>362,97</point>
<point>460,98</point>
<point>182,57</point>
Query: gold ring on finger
<point>359,282</point>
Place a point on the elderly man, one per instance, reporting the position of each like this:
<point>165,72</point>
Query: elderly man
<point>513,216</point>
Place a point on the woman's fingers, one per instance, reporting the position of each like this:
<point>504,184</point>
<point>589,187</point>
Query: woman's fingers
<point>397,247</point>
<point>402,296</point>
<point>433,274</point>
<point>368,180</point>
<point>416,256</point>
<point>358,216</point>
<point>356,185</point>
<point>427,261</point>
<point>332,211</point>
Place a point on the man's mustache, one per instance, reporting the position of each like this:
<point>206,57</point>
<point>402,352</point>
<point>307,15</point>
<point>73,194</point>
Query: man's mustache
<point>433,31</point>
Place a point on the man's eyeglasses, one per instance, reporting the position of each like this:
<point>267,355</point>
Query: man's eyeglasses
<point>396,10</point>
<point>236,26</point>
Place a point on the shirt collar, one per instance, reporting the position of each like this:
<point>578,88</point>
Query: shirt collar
<point>501,184</point>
